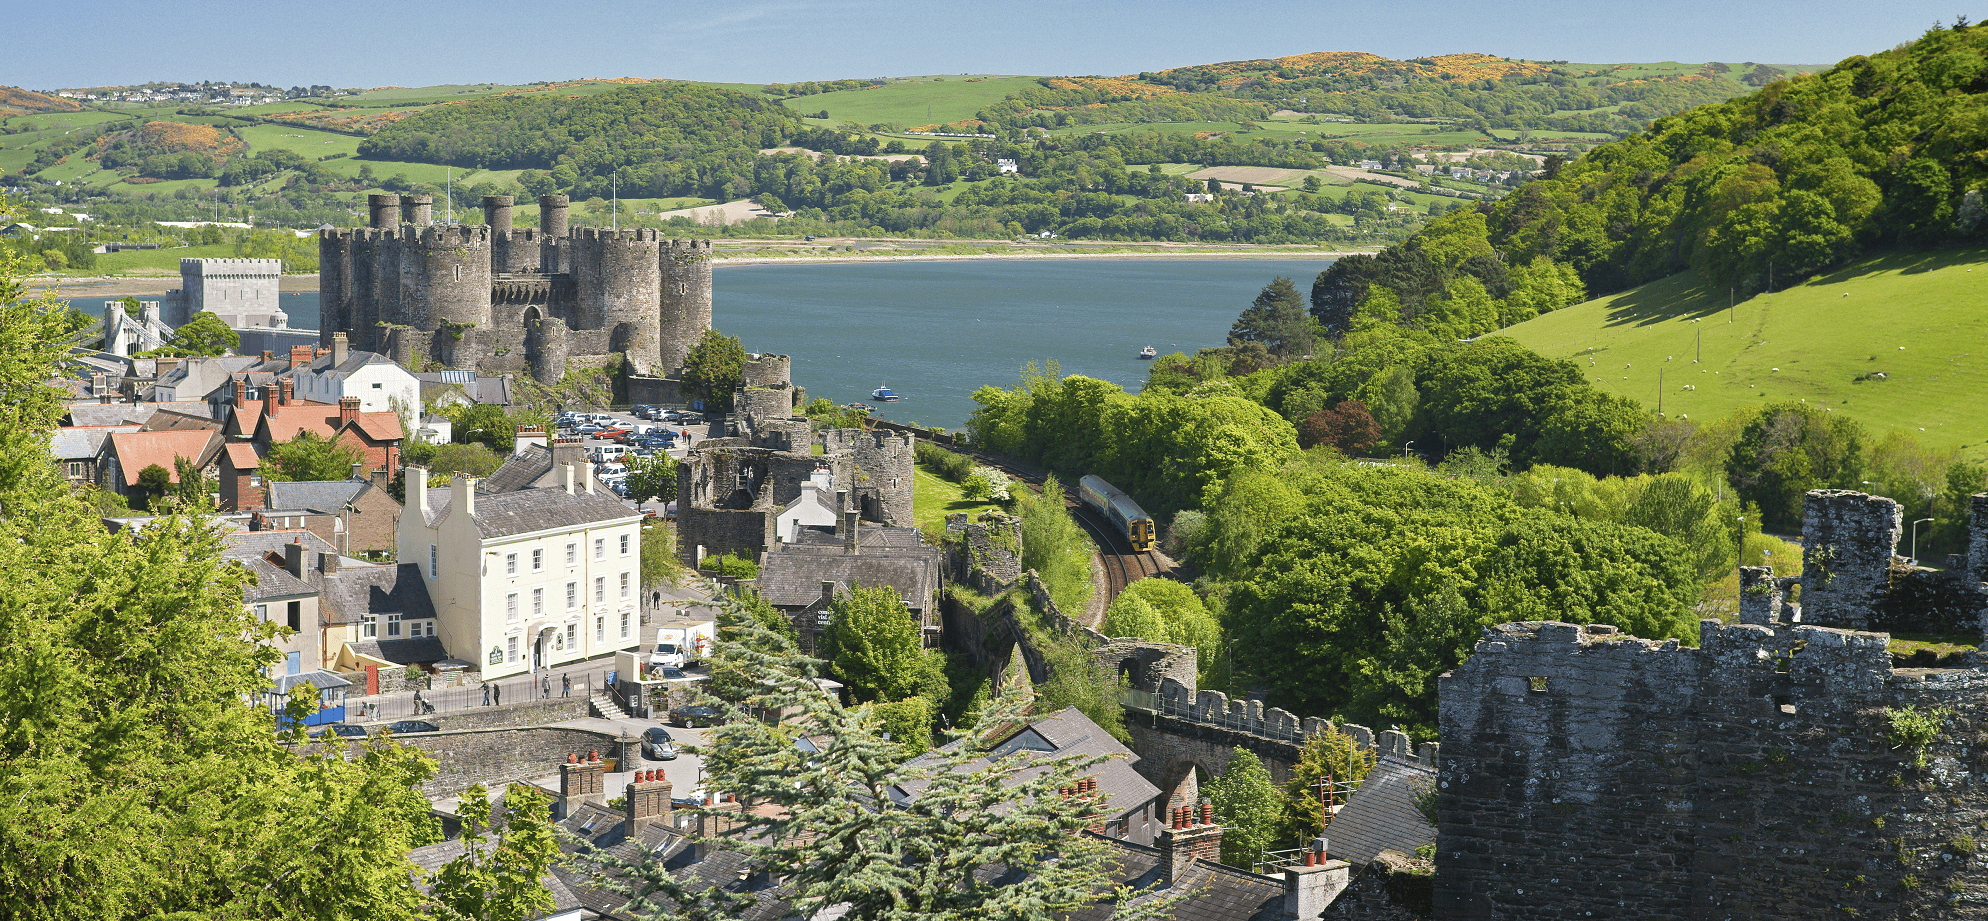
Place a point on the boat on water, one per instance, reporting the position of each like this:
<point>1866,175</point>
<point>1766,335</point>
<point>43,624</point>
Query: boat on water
<point>1148,353</point>
<point>883,394</point>
<point>860,407</point>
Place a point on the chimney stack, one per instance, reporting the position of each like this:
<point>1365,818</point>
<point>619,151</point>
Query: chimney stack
<point>849,528</point>
<point>301,355</point>
<point>569,450</point>
<point>647,800</point>
<point>462,495</point>
<point>103,399</point>
<point>1188,838</point>
<point>581,780</point>
<point>340,347</point>
<point>417,489</point>
<point>289,391</point>
<point>268,355</point>
<point>380,478</point>
<point>827,593</point>
<point>328,563</point>
<point>241,392</point>
<point>358,471</point>
<point>293,557</point>
<point>348,407</point>
<point>269,399</point>
<point>841,500</point>
<point>527,436</point>
<point>1308,889</point>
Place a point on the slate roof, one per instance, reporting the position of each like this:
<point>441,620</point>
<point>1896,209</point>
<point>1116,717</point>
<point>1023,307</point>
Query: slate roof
<point>1068,733</point>
<point>405,651</point>
<point>1382,815</point>
<point>355,590</point>
<point>112,414</point>
<point>240,545</point>
<point>174,420</point>
<point>531,467</point>
<point>82,442</point>
<point>321,496</point>
<point>791,577</point>
<point>273,581</point>
<point>594,829</point>
<point>868,538</point>
<point>138,450</point>
<point>481,390</point>
<point>432,857</point>
<point>529,510</point>
<point>354,360</point>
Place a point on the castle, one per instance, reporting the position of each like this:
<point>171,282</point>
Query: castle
<point>498,300</point>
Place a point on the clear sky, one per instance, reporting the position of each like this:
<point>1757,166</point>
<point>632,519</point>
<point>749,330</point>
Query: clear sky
<point>424,42</point>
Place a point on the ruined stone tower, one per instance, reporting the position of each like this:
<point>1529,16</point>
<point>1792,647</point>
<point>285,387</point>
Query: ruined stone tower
<point>500,299</point>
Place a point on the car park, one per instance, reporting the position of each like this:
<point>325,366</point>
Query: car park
<point>590,428</point>
<point>657,744</point>
<point>406,726</point>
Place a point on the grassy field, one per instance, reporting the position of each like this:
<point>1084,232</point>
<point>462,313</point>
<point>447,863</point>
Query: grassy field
<point>1917,317</point>
<point>934,498</point>
<point>912,100</point>
<point>303,141</point>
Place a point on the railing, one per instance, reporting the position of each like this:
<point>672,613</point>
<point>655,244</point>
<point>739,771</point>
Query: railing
<point>1154,703</point>
<point>402,705</point>
<point>1269,862</point>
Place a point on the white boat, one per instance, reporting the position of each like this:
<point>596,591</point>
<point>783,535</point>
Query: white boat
<point>1148,353</point>
<point>883,394</point>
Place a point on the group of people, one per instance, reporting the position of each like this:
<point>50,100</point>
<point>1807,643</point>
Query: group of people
<point>493,693</point>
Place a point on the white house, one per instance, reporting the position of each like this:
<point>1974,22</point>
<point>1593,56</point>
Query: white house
<point>528,579</point>
<point>818,505</point>
<point>374,378</point>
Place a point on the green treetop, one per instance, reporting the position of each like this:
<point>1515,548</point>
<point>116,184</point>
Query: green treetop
<point>311,457</point>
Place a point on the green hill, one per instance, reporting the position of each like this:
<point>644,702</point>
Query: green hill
<point>1921,319</point>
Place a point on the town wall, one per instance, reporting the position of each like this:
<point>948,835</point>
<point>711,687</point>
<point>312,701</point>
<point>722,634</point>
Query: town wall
<point>1589,774</point>
<point>1848,541</point>
<point>485,756</point>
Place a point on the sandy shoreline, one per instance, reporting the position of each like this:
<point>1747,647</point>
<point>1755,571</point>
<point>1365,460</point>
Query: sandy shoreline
<point>156,285</point>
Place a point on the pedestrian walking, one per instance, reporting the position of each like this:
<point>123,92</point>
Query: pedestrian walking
<point>486,695</point>
<point>565,685</point>
<point>498,690</point>
<point>545,688</point>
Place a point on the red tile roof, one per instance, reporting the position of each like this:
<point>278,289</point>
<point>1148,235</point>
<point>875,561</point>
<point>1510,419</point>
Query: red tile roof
<point>242,455</point>
<point>299,416</point>
<point>137,450</point>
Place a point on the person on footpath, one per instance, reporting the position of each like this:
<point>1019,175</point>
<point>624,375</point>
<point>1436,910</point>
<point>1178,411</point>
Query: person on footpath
<point>498,690</point>
<point>486,695</point>
<point>545,688</point>
<point>565,685</point>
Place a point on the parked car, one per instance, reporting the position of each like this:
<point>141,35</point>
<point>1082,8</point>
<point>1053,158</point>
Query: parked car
<point>696,715</point>
<point>406,726</point>
<point>339,731</point>
<point>590,428</point>
<point>667,673</point>
<point>657,744</point>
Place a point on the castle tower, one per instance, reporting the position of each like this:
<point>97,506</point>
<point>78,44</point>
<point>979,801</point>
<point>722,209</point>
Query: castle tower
<point>416,210</point>
<point>512,252</point>
<point>385,211</point>
<point>497,213</point>
<point>616,277</point>
<point>686,300</point>
<point>361,310</point>
<point>445,281</point>
<point>553,245</point>
<point>334,281</point>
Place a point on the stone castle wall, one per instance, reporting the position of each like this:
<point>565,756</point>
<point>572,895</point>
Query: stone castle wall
<point>1588,774</point>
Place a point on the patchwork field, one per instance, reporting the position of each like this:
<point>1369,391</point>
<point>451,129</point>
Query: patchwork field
<point>912,101</point>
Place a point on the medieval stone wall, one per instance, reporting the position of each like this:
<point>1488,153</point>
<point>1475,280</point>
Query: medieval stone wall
<point>1588,774</point>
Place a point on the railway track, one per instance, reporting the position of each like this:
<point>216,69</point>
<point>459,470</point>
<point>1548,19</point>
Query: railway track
<point>1122,564</point>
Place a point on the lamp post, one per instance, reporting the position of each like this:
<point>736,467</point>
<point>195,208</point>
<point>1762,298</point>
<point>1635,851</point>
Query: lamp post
<point>1915,539</point>
<point>1742,539</point>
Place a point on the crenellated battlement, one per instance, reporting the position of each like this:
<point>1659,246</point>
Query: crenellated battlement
<point>604,235</point>
<point>449,235</point>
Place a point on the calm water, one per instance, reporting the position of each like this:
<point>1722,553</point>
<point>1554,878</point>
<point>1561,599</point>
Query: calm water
<point>936,331</point>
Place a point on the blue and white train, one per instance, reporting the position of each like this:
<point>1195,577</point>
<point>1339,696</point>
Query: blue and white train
<point>1125,514</point>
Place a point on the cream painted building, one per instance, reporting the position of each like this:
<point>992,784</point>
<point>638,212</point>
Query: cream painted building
<point>528,579</point>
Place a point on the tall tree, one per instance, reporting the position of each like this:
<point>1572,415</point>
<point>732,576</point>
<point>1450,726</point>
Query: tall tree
<point>499,880</point>
<point>1247,806</point>
<point>311,457</point>
<point>714,368</point>
<point>651,477</point>
<point>205,334</point>
<point>1277,319</point>
<point>872,644</point>
<point>829,818</point>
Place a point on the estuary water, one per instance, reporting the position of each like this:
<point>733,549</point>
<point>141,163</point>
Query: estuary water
<point>937,331</point>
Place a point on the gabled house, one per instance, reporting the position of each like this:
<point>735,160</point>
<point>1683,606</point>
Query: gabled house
<point>804,574</point>
<point>241,477</point>
<point>355,515</point>
<point>79,449</point>
<point>339,372</point>
<point>127,454</point>
<point>530,578</point>
<point>280,417</point>
<point>377,615</point>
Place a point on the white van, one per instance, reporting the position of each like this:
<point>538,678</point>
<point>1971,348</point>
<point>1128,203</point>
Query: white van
<point>601,454</point>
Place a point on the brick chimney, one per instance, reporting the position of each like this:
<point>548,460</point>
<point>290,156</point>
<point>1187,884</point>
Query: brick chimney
<point>340,347</point>
<point>380,478</point>
<point>268,355</point>
<point>849,528</point>
<point>300,355</point>
<point>1311,886</point>
<point>328,563</point>
<point>569,450</point>
<point>719,817</point>
<point>528,435</point>
<point>582,780</point>
<point>269,400</point>
<point>289,391</point>
<point>647,800</point>
<point>358,471</point>
<point>1189,836</point>
<point>348,407</point>
<point>241,391</point>
<point>293,557</point>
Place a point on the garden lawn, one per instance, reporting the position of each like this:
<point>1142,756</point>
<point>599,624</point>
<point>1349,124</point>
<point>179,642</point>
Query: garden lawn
<point>934,498</point>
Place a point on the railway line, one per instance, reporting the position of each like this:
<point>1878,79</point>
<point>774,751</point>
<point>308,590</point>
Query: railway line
<point>1122,565</point>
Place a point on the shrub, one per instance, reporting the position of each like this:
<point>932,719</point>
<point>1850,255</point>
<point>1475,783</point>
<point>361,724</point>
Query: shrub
<point>726,565</point>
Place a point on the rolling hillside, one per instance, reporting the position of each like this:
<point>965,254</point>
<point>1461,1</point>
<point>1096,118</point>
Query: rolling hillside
<point>1920,319</point>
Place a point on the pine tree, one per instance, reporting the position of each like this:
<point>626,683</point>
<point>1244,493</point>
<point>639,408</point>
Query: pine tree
<point>499,880</point>
<point>838,835</point>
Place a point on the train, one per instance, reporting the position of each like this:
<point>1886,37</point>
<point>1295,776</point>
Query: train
<point>1124,514</point>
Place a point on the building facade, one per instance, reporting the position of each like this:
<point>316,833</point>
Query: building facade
<point>242,292</point>
<point>530,579</point>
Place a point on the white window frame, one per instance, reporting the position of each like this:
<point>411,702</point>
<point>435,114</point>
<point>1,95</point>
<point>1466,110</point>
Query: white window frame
<point>624,545</point>
<point>600,548</point>
<point>433,560</point>
<point>600,589</point>
<point>369,626</point>
<point>262,613</point>
<point>572,553</point>
<point>510,564</point>
<point>510,649</point>
<point>624,625</point>
<point>538,602</point>
<point>393,624</point>
<point>511,608</point>
<point>572,636</point>
<point>600,628</point>
<point>625,587</point>
<point>538,559</point>
<point>572,595</point>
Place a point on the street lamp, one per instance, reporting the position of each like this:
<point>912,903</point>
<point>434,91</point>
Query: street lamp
<point>1915,539</point>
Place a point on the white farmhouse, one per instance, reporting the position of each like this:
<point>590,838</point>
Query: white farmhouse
<point>374,378</point>
<point>529,579</point>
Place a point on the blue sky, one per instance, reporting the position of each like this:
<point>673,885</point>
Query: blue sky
<point>423,42</point>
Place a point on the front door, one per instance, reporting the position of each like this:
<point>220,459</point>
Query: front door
<point>538,652</point>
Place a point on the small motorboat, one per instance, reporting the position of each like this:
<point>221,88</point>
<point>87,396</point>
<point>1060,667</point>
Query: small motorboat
<point>883,394</point>
<point>1149,353</point>
<point>859,407</point>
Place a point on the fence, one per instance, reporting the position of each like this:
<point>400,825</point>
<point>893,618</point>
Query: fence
<point>402,705</point>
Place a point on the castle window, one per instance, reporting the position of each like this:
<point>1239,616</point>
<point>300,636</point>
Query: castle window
<point>1786,705</point>
<point>1537,684</point>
